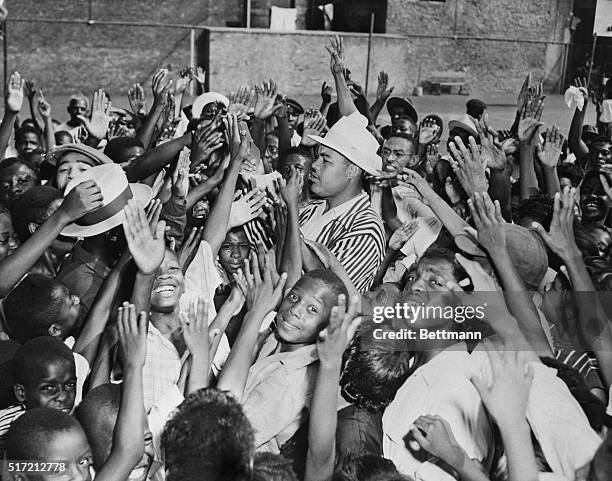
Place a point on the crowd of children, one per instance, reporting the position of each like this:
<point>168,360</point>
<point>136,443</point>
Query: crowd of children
<point>243,289</point>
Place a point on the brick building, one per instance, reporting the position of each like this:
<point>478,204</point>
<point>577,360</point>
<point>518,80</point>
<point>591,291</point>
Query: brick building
<point>115,43</point>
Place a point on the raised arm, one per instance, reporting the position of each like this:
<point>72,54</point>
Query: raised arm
<point>214,230</point>
<point>574,139</point>
<point>197,340</point>
<point>84,198</point>
<point>346,106</point>
<point>291,262</point>
<point>155,159</point>
<point>128,440</point>
<point>160,86</point>
<point>548,154</point>
<point>45,112</point>
<point>383,92</point>
<point>528,127</point>
<point>12,106</point>
<point>331,343</point>
<point>30,92</point>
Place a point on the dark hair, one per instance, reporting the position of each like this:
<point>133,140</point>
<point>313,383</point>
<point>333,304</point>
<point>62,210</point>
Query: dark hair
<point>537,207</point>
<point>572,171</point>
<point>405,136</point>
<point>32,206</point>
<point>32,307</point>
<point>373,370</point>
<point>116,147</point>
<point>34,429</point>
<point>26,129</point>
<point>272,467</point>
<point>590,404</point>
<point>330,279</point>
<point>366,467</point>
<point>98,413</point>
<point>10,161</point>
<point>208,437</point>
<point>63,133</point>
<point>4,210</point>
<point>297,151</point>
<point>36,354</point>
<point>442,253</point>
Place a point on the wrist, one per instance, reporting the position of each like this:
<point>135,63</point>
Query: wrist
<point>331,365</point>
<point>62,217</point>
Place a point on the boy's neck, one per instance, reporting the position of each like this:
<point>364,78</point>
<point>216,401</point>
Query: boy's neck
<point>286,347</point>
<point>165,322</point>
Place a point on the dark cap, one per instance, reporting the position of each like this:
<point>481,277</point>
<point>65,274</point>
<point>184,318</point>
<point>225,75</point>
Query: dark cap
<point>405,104</point>
<point>295,105</point>
<point>475,107</point>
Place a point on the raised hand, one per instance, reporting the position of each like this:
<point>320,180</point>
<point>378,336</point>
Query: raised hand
<point>469,165</point>
<point>242,100</point>
<point>428,131</point>
<point>97,124</point>
<point>336,52</point>
<point>581,83</point>
<point>238,140</point>
<point>205,140</point>
<point>403,234</point>
<point>326,93</point>
<point>523,93</point>
<point>411,178</point>
<point>265,100</point>
<point>490,232</point>
<point>257,285</point>
<point>199,75</point>
<point>383,91</point>
<point>147,249</point>
<point>136,97</point>
<point>530,114</point>
<point>160,85</point>
<point>560,236</point>
<point>314,124</point>
<point>432,155</point>
<point>247,207</point>
<point>29,89</point>
<point>435,436</point>
<point>180,175</point>
<point>84,198</point>
<point>132,333</point>
<point>333,340</point>
<point>195,329</point>
<point>44,107</point>
<point>117,129</point>
<point>550,152</point>
<point>183,80</point>
<point>14,95</point>
<point>490,148</point>
<point>452,192</point>
<point>507,395</point>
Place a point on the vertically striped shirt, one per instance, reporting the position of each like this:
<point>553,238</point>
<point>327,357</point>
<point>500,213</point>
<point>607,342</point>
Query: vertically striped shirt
<point>353,232</point>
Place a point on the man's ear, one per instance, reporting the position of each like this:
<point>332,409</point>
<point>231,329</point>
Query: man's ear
<point>32,226</point>
<point>19,392</point>
<point>352,171</point>
<point>55,330</point>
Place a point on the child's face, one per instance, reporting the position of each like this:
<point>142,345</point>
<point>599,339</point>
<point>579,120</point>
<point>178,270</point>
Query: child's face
<point>72,448</point>
<point>234,250</point>
<point>8,239</point>
<point>52,386</point>
<point>304,311</point>
<point>168,285</point>
<point>71,166</point>
<point>27,144</point>
<point>69,312</point>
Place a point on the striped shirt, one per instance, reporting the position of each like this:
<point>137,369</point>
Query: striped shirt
<point>7,416</point>
<point>353,232</point>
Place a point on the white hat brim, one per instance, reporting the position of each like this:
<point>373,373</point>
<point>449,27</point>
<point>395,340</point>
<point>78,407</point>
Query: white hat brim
<point>140,192</point>
<point>350,156</point>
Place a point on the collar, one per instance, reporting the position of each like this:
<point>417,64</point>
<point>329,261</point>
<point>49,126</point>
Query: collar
<point>455,356</point>
<point>291,361</point>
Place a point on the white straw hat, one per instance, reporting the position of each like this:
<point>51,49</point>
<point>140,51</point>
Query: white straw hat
<point>350,138</point>
<point>116,192</point>
<point>205,99</point>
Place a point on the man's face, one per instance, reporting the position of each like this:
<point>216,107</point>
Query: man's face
<point>398,153</point>
<point>8,239</point>
<point>234,251</point>
<point>210,110</point>
<point>304,311</point>
<point>271,153</point>
<point>71,165</point>
<point>404,125</point>
<point>593,200</point>
<point>168,285</point>
<point>53,386</point>
<point>15,180</point>
<point>427,286</point>
<point>77,107</point>
<point>293,116</point>
<point>27,144</point>
<point>602,152</point>
<point>328,175</point>
<point>602,238</point>
<point>303,166</point>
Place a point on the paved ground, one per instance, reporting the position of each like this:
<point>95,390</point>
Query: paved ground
<point>501,109</point>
